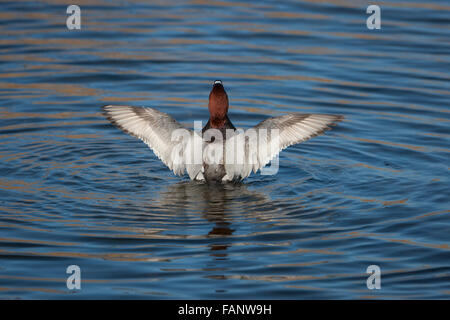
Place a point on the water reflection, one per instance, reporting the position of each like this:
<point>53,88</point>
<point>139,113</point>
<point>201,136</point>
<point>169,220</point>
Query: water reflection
<point>217,203</point>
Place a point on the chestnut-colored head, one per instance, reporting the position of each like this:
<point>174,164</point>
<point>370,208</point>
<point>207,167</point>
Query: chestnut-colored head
<point>218,105</point>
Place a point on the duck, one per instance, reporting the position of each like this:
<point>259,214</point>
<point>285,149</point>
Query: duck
<point>218,152</point>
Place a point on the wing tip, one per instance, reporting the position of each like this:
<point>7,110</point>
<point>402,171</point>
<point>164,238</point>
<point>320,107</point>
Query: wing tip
<point>105,110</point>
<point>336,118</point>
<point>333,121</point>
<point>106,113</point>
<point>111,107</point>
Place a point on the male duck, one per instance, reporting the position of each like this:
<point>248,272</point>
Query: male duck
<point>215,158</point>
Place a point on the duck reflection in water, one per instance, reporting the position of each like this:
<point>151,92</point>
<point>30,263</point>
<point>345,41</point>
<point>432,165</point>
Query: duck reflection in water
<point>218,205</point>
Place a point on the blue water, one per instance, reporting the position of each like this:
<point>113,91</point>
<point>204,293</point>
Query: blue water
<point>74,190</point>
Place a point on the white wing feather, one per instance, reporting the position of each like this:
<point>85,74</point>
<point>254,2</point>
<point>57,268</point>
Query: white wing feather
<point>155,128</point>
<point>292,129</point>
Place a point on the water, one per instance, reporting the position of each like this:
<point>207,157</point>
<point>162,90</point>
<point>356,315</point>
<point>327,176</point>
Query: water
<point>372,191</point>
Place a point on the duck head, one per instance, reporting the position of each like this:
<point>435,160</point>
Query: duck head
<point>218,105</point>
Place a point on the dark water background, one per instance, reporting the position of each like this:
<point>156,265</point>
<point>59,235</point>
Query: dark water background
<point>374,190</point>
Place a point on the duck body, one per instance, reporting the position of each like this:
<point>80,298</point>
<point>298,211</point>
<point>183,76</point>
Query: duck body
<point>219,152</point>
<point>212,171</point>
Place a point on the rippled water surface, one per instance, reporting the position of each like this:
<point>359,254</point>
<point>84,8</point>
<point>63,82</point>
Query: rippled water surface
<point>74,190</point>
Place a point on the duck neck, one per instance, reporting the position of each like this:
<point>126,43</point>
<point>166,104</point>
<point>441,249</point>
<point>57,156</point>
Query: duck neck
<point>218,123</point>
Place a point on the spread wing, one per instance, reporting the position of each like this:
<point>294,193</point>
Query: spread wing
<point>157,130</point>
<point>272,136</point>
